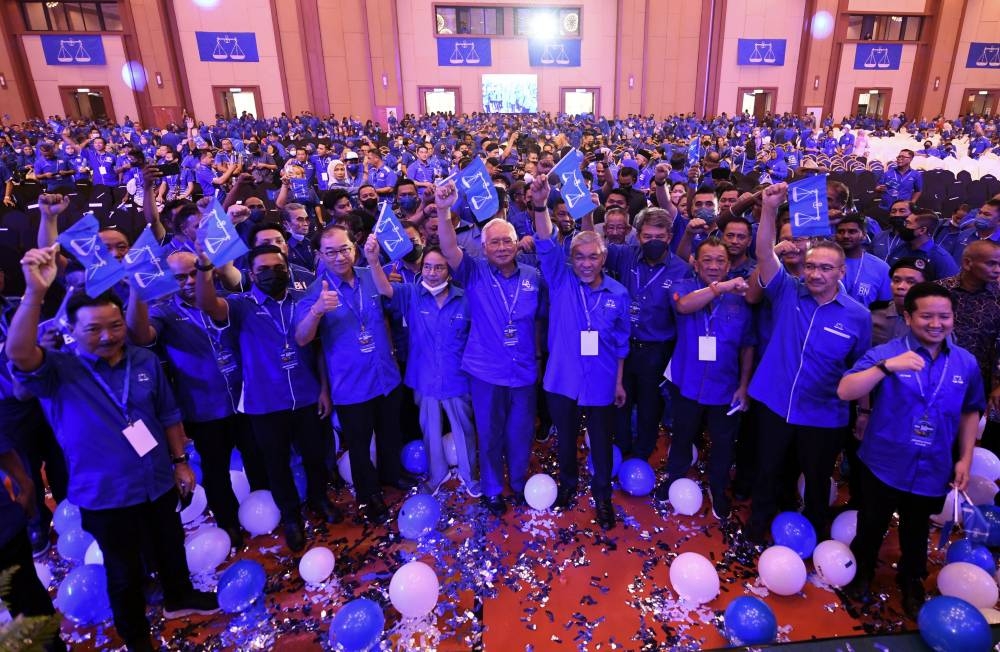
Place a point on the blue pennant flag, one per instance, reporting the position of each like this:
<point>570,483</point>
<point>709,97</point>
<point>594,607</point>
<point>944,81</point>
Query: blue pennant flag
<point>219,237</point>
<point>147,269</point>
<point>573,187</point>
<point>694,151</point>
<point>476,186</point>
<point>301,191</point>
<point>83,242</point>
<point>391,235</point>
<point>807,207</point>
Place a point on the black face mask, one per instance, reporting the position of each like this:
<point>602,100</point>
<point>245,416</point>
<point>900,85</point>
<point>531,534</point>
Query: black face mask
<point>272,282</point>
<point>907,234</point>
<point>415,254</point>
<point>654,249</point>
<point>370,205</point>
<point>257,214</point>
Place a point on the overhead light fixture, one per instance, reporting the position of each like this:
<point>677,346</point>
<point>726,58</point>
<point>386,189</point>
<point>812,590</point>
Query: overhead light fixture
<point>544,25</point>
<point>3,81</point>
<point>937,83</point>
<point>816,83</point>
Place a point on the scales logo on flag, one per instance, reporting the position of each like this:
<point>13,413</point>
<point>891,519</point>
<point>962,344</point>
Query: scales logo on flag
<point>227,47</point>
<point>73,50</point>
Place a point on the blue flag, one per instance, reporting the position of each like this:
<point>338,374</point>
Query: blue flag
<point>694,151</point>
<point>219,237</point>
<point>102,270</point>
<point>147,269</point>
<point>573,187</point>
<point>807,207</point>
<point>476,186</point>
<point>391,235</point>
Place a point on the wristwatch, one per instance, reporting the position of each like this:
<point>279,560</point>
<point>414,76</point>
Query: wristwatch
<point>884,369</point>
<point>204,268</point>
<point>180,459</point>
<point>862,410</point>
<point>539,209</point>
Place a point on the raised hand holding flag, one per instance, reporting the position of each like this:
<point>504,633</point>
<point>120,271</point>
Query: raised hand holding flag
<point>147,270</point>
<point>573,187</point>
<point>83,242</point>
<point>808,208</point>
<point>217,233</point>
<point>476,186</point>
<point>391,235</point>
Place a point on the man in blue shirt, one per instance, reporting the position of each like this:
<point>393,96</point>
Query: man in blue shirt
<point>866,277</point>
<point>501,358</point>
<point>900,181</point>
<point>588,343</point>
<point>344,310</point>
<point>927,397</point>
<point>819,331</point>
<point>421,171</point>
<point>379,176</point>
<point>917,236</point>
<point>984,226</point>
<point>282,393</point>
<point>115,417</point>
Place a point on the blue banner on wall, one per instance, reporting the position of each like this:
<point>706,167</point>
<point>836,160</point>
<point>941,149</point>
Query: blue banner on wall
<point>73,50</point>
<point>227,47</point>
<point>877,56</point>
<point>464,52</point>
<point>983,55</point>
<point>558,53</point>
<point>760,52</point>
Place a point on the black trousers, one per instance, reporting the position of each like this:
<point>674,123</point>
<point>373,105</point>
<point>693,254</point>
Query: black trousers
<point>815,450</point>
<point>33,436</point>
<point>357,421</point>
<point>878,503</point>
<point>689,417</point>
<point>119,533</point>
<point>566,415</point>
<point>26,596</point>
<point>642,377</point>
<point>215,440</point>
<point>275,432</point>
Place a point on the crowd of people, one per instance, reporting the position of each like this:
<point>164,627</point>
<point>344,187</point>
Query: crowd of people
<point>685,302</point>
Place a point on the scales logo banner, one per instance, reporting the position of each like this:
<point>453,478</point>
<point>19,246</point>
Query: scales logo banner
<point>880,56</point>
<point>562,53</point>
<point>227,47</point>
<point>984,55</point>
<point>73,50</point>
<point>464,52</point>
<point>760,52</point>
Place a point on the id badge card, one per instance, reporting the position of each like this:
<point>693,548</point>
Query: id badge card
<point>588,343</point>
<point>706,348</point>
<point>103,170</point>
<point>226,360</point>
<point>633,312</point>
<point>289,358</point>
<point>139,437</point>
<point>510,335</point>
<point>366,341</point>
<point>923,431</point>
<point>324,176</point>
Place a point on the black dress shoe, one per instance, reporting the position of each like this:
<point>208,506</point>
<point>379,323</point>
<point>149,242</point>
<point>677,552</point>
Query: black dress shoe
<point>495,504</point>
<point>605,514</point>
<point>330,512</point>
<point>661,493</point>
<point>404,483</point>
<point>295,536</point>
<point>913,597</point>
<point>518,499</point>
<point>859,590</point>
<point>376,511</point>
<point>564,498</point>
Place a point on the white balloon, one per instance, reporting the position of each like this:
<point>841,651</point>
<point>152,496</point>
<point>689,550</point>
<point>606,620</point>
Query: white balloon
<point>199,501</point>
<point>450,452</point>
<point>845,527</point>
<point>782,570</point>
<point>834,563</point>
<point>344,466</point>
<point>982,427</point>
<point>258,513</point>
<point>44,574</point>
<point>413,589</point>
<point>694,454</point>
<point>206,549</point>
<point>948,513</point>
<point>981,490</point>
<point>985,463</point>
<point>969,582</point>
<point>94,555</point>
<point>694,578</point>
<point>992,615</point>
<point>685,496</point>
<point>316,565</point>
<point>241,486</point>
<point>540,491</point>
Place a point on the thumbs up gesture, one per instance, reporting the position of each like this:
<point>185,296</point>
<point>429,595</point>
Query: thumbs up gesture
<point>328,300</point>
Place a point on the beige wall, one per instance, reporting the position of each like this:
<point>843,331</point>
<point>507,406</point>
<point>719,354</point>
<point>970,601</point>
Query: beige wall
<point>849,79</point>
<point>982,24</point>
<point>760,19</point>
<point>345,56</point>
<point>671,63</point>
<point>884,6</point>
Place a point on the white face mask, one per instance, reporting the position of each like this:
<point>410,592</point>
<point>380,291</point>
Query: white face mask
<point>434,289</point>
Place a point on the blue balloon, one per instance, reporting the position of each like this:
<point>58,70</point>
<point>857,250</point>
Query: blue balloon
<point>749,621</point>
<point>73,543</point>
<point>83,595</point>
<point>418,516</point>
<point>794,531</point>
<point>965,550</point>
<point>616,461</point>
<point>949,624</point>
<point>66,517</point>
<point>636,477</point>
<point>414,458</point>
<point>357,626</point>
<point>240,585</point>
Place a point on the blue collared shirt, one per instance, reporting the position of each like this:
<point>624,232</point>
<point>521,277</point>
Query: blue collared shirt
<point>102,167</point>
<point>277,373</point>
<point>867,279</point>
<point>729,320</point>
<point>358,371</point>
<point>206,370</point>
<point>890,448</point>
<point>900,186</point>
<point>811,346</point>
<point>420,171</point>
<point>104,470</point>
<point>944,264</point>
<point>576,308</point>
<point>437,339</point>
<point>486,356</point>
<point>649,287</point>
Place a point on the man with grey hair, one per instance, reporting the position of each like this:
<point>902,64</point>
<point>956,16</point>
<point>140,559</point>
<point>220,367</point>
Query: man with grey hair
<point>300,249</point>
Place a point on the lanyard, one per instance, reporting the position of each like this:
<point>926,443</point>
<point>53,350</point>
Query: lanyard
<point>941,379</point>
<point>635,273</point>
<point>508,305</point>
<point>215,341</point>
<point>708,312</point>
<point>857,276</point>
<point>587,310</point>
<point>359,313</point>
<point>121,403</point>
<point>280,325</point>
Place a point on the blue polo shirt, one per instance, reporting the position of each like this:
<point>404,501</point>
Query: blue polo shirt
<point>206,370</point>
<point>576,307</point>
<point>381,178</point>
<point>494,302</point>
<point>277,373</point>
<point>102,167</point>
<point>105,472</point>
<point>810,348</point>
<point>437,339</point>
<point>890,448</point>
<point>358,371</point>
<point>867,279</point>
<point>53,166</point>
<point>420,171</point>
<point>899,185</point>
<point>730,320</point>
<point>944,264</point>
<point>649,289</point>
<point>204,175</point>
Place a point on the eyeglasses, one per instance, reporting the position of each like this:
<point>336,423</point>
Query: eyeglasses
<point>333,254</point>
<point>826,269</point>
<point>435,268</point>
